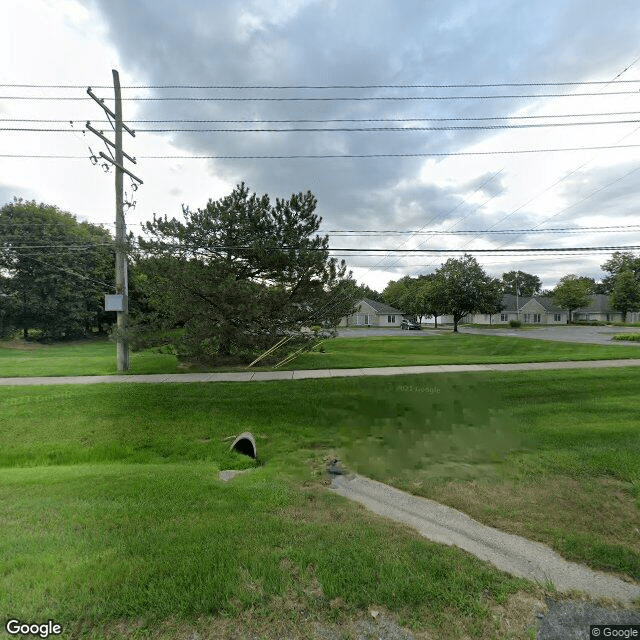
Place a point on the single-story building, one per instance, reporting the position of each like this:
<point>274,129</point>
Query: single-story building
<point>599,310</point>
<point>542,310</point>
<point>371,313</point>
<point>528,310</point>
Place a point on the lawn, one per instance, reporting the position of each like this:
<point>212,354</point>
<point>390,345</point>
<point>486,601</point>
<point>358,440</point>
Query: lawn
<point>98,357</point>
<point>81,358</point>
<point>115,524</point>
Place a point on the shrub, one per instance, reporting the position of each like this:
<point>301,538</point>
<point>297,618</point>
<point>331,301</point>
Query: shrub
<point>514,324</point>
<point>633,337</point>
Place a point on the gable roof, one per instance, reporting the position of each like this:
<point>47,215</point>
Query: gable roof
<point>515,303</point>
<point>599,304</point>
<point>381,307</point>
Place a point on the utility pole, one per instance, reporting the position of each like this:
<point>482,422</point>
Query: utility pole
<point>119,302</point>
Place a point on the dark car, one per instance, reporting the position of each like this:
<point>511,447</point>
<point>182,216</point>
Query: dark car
<point>410,326</point>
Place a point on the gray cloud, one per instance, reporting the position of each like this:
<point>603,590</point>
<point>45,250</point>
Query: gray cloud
<point>323,42</point>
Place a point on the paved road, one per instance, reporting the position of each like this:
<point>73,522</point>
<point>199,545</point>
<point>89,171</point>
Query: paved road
<point>256,376</point>
<point>593,335</point>
<point>563,333</point>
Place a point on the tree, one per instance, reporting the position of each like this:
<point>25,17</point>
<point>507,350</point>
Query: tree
<point>397,294</point>
<point>625,296</point>
<point>521,284</point>
<point>365,291</point>
<point>55,270</point>
<point>572,292</point>
<point>468,289</point>
<point>431,296</point>
<point>619,261</point>
<point>242,273</point>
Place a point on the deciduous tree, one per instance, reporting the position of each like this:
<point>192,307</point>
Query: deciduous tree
<point>56,270</point>
<point>572,292</point>
<point>521,283</point>
<point>468,289</point>
<point>625,296</point>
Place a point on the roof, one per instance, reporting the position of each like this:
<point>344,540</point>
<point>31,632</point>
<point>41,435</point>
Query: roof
<point>599,304</point>
<point>515,303</point>
<point>381,307</point>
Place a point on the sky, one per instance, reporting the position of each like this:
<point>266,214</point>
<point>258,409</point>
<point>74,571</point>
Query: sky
<point>448,168</point>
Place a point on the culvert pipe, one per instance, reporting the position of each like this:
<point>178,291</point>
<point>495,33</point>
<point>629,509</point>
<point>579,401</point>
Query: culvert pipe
<point>245,443</point>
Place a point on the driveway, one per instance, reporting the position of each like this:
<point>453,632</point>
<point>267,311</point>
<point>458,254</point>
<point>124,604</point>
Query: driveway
<point>564,333</point>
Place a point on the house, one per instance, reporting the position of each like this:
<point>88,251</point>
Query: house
<point>542,310</point>
<point>599,310</point>
<point>528,310</point>
<point>371,313</point>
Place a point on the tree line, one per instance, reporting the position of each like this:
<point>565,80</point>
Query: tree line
<point>234,277</point>
<point>225,282</point>
<point>460,287</point>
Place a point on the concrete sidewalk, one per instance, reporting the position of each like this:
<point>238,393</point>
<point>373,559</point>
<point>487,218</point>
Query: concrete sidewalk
<point>513,554</point>
<point>256,376</point>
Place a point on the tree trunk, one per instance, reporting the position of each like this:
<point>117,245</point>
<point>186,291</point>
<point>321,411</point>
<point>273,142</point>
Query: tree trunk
<point>435,322</point>
<point>25,333</point>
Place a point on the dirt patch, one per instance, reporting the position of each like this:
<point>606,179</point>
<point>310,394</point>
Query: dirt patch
<point>21,346</point>
<point>517,617</point>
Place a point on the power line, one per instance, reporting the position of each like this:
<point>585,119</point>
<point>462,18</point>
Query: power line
<point>611,228</point>
<point>335,156</point>
<point>328,99</point>
<point>332,86</point>
<point>326,120</point>
<point>346,129</point>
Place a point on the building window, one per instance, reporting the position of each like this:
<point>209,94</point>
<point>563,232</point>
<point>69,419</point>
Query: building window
<point>391,319</point>
<point>362,319</point>
<point>504,317</point>
<point>557,317</point>
<point>536,317</point>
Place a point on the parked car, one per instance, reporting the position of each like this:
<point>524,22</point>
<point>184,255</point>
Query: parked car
<point>410,326</point>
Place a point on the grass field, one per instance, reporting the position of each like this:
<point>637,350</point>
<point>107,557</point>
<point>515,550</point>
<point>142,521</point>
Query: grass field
<point>98,357</point>
<point>115,524</point>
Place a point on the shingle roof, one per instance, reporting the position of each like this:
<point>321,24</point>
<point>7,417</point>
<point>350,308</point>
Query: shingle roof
<point>509,301</point>
<point>381,307</point>
<point>599,304</point>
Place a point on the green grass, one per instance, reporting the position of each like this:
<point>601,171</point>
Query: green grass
<point>113,517</point>
<point>82,358</point>
<point>450,348</point>
<point>97,357</point>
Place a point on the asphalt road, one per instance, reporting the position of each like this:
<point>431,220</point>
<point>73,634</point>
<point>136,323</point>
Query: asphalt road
<point>563,333</point>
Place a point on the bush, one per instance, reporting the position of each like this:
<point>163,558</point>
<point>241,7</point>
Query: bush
<point>514,324</point>
<point>632,337</point>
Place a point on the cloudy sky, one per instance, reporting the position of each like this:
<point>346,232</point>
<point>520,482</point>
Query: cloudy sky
<point>408,152</point>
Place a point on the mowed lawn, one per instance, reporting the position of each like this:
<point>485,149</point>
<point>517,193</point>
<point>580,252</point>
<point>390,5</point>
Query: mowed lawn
<point>79,358</point>
<point>115,524</point>
<point>450,348</point>
<point>97,357</point>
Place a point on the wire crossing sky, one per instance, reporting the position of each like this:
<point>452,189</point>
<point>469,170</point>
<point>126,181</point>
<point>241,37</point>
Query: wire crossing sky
<point>509,130</point>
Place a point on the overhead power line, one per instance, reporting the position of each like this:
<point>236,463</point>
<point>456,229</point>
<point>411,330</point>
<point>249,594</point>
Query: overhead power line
<point>336,156</point>
<point>329,86</point>
<point>347,129</point>
<point>612,228</point>
<point>328,99</point>
<point>323,120</point>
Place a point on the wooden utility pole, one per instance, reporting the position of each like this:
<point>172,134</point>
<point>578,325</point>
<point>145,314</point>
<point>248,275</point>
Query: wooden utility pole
<point>122,281</point>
